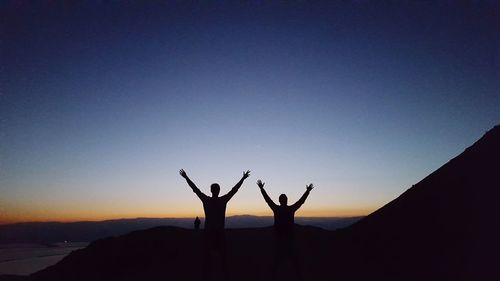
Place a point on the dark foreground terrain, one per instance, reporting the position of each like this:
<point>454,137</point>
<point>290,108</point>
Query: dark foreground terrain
<point>446,227</point>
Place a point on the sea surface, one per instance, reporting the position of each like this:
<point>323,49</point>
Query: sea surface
<point>24,259</point>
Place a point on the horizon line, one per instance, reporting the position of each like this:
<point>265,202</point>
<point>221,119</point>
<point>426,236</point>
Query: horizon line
<point>184,217</point>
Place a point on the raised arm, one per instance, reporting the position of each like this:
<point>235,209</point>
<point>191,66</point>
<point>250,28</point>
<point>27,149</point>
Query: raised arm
<point>191,184</point>
<point>302,199</point>
<point>233,190</point>
<point>268,199</point>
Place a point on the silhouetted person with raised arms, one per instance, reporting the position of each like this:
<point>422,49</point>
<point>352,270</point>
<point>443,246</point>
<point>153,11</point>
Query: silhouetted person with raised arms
<point>284,224</point>
<point>215,215</point>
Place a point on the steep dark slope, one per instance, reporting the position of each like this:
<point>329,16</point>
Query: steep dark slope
<point>447,226</point>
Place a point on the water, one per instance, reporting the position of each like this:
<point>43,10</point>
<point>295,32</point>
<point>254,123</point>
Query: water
<point>24,259</point>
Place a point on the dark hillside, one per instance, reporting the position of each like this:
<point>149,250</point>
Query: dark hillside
<point>447,225</point>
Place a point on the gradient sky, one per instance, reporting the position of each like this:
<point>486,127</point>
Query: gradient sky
<point>102,102</point>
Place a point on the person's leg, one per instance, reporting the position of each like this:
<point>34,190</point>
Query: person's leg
<point>280,255</point>
<point>296,265</point>
<point>294,256</point>
<point>276,264</point>
<point>207,251</point>
<point>206,261</point>
<point>223,255</point>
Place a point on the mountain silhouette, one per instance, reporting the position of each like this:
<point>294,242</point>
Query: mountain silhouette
<point>446,227</point>
<point>86,231</point>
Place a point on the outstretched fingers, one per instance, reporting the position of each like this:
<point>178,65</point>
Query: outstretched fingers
<point>260,183</point>
<point>182,173</point>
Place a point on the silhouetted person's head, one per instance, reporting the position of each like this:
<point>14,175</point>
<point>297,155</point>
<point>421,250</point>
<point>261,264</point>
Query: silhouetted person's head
<point>215,189</point>
<point>283,200</point>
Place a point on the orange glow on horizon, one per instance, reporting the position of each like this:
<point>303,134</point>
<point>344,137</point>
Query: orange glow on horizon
<point>72,217</point>
<point>108,209</point>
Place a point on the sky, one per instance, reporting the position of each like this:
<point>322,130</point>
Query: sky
<point>102,102</point>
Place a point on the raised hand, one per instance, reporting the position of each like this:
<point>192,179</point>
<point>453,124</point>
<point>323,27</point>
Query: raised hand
<point>246,174</point>
<point>183,173</point>
<point>260,184</point>
<point>309,187</point>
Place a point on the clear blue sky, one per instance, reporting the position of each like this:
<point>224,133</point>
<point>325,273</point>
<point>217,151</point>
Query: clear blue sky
<point>102,103</point>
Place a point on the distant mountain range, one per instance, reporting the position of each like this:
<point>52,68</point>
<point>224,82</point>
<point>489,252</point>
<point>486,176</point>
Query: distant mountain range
<point>446,227</point>
<point>51,232</point>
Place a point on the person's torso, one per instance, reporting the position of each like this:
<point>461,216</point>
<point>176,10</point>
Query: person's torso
<point>215,213</point>
<point>284,218</point>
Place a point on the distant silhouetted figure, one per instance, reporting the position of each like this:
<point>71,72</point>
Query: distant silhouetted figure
<point>197,223</point>
<point>215,215</point>
<point>284,216</point>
